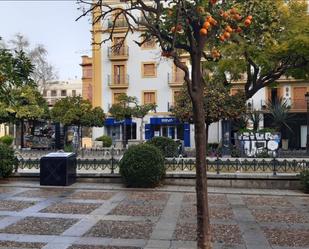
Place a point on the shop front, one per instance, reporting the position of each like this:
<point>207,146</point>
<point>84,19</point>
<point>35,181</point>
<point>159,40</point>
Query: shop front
<point>168,127</point>
<point>120,130</point>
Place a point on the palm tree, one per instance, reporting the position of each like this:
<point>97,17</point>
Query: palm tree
<point>255,117</point>
<point>279,111</point>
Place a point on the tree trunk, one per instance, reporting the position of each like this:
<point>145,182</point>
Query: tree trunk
<point>21,133</point>
<point>203,225</point>
<point>141,130</point>
<point>78,137</point>
<point>124,134</point>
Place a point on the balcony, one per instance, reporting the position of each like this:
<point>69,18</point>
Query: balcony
<point>119,23</point>
<point>118,54</point>
<point>175,80</point>
<point>296,105</point>
<point>118,82</point>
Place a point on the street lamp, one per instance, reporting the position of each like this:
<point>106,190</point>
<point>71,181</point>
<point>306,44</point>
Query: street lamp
<point>307,100</point>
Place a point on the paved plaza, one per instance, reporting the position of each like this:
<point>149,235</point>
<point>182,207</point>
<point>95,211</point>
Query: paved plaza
<point>107,216</point>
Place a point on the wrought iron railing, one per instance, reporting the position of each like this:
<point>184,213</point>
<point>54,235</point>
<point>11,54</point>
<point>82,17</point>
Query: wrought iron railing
<point>111,165</point>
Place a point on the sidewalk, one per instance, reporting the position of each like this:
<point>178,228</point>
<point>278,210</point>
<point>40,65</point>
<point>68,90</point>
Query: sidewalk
<point>108,216</point>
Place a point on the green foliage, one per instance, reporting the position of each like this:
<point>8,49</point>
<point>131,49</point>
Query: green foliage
<point>27,103</point>
<point>68,148</point>
<point>218,103</point>
<point>77,111</point>
<point>166,145</point>
<point>128,107</point>
<point>279,111</point>
<point>15,71</point>
<point>142,166</point>
<point>235,152</point>
<point>264,130</point>
<point>7,140</point>
<point>304,180</point>
<point>8,160</point>
<point>255,117</point>
<point>107,141</point>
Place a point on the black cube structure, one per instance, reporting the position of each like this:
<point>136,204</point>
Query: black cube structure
<point>58,169</point>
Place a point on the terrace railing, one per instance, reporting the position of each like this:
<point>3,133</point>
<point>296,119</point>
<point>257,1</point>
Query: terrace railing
<point>218,166</point>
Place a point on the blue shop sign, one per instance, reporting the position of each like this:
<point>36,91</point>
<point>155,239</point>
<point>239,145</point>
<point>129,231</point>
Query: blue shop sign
<point>164,121</point>
<point>114,122</point>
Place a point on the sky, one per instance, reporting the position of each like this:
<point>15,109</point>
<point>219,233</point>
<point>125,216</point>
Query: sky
<point>51,23</point>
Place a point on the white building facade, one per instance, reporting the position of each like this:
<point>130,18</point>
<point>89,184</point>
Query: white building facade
<point>144,73</point>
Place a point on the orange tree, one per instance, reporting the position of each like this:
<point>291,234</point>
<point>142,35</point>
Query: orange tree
<point>218,103</point>
<point>195,27</point>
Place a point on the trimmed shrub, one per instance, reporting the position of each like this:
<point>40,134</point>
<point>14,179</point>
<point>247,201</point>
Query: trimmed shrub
<point>107,141</point>
<point>8,140</point>
<point>167,146</point>
<point>68,147</point>
<point>142,166</point>
<point>8,160</point>
<point>304,180</point>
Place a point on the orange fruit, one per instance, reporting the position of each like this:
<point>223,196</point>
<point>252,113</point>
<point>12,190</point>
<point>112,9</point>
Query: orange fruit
<point>178,27</point>
<point>173,29</point>
<point>206,25</point>
<point>213,21</point>
<point>247,22</point>
<point>233,11</point>
<point>228,29</point>
<point>225,15</point>
<point>227,35</point>
<point>222,38</point>
<point>237,17</point>
<point>250,18</point>
<point>203,31</point>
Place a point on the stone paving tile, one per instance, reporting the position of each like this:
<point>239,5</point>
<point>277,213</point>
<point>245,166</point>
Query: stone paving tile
<point>11,205</point>
<point>71,208</point>
<point>92,195</point>
<point>121,229</point>
<point>224,213</point>
<point>275,215</point>
<point>137,210</point>
<point>148,196</point>
<point>101,247</point>
<point>6,190</point>
<point>267,201</point>
<point>212,199</point>
<point>22,245</point>
<point>287,237</point>
<point>42,193</point>
<point>227,234</point>
<point>40,226</point>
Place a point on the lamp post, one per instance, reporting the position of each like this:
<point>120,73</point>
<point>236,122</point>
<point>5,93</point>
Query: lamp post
<point>307,100</point>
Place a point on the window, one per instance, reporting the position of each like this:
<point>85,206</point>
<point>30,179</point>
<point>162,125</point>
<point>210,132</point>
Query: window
<point>44,93</point>
<point>149,69</point>
<point>116,96</point>
<point>53,93</point>
<point>149,97</point>
<point>116,50</point>
<point>119,75</point>
<point>175,94</point>
<point>178,74</point>
<point>74,93</point>
<point>63,93</point>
